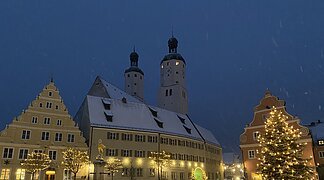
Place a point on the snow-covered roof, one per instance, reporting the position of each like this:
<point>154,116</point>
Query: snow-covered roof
<point>317,131</point>
<point>127,112</point>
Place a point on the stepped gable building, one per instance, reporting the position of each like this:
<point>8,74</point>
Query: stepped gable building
<point>45,126</point>
<point>131,129</point>
<point>248,139</point>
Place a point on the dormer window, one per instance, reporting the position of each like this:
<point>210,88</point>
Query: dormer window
<point>109,116</point>
<point>154,112</point>
<point>159,123</point>
<point>187,129</point>
<point>106,104</point>
<point>183,120</point>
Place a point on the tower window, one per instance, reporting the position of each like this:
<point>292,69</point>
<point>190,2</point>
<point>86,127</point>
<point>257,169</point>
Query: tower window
<point>168,63</point>
<point>141,77</point>
<point>134,84</point>
<point>170,92</point>
<point>177,72</point>
<point>166,93</point>
<point>162,66</point>
<point>135,75</point>
<point>177,63</point>
<point>128,75</point>
<point>177,82</point>
<point>128,85</point>
<point>134,93</point>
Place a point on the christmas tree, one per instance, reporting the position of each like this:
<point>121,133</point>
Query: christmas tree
<point>281,152</point>
<point>35,162</point>
<point>74,160</point>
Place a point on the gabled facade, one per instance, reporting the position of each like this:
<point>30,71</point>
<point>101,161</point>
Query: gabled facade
<point>45,126</point>
<point>248,139</point>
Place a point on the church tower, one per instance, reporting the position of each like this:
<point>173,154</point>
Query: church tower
<point>172,93</point>
<point>134,78</point>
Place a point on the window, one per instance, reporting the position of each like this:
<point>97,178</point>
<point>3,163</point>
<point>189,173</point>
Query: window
<point>56,107</point>
<point>162,66</point>
<point>256,134</point>
<point>50,94</point>
<point>139,172</point>
<point>154,112</point>
<point>25,134</point>
<point>7,153</point>
<point>59,122</point>
<point>152,139</point>
<point>173,175</point>
<point>58,136</point>
<point>47,120</point>
<point>187,129</point>
<point>109,116</point>
<point>251,154</point>
<point>106,104</point>
<point>165,175</point>
<point>127,137</point>
<point>126,153</point>
<point>152,172</point>
<point>139,138</point>
<point>181,175</point>
<point>70,138</point>
<point>48,105</point>
<point>321,142</point>
<point>128,75</point>
<point>111,152</point>
<point>166,92</point>
<point>135,75</point>
<point>45,136</point>
<point>170,92</point>
<point>40,104</point>
<point>183,120</point>
<point>111,135</point>
<point>183,94</point>
<point>67,174</point>
<point>265,117</point>
<point>321,154</point>
<point>164,140</point>
<point>38,151</point>
<point>34,119</point>
<point>139,153</point>
<point>177,63</point>
<point>5,174</point>
<point>168,63</point>
<point>20,174</point>
<point>23,153</point>
<point>159,123</point>
<point>125,172</point>
<point>52,155</point>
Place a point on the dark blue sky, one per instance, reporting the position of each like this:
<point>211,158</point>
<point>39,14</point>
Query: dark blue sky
<point>234,50</point>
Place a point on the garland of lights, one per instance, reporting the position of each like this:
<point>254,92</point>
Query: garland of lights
<point>281,152</point>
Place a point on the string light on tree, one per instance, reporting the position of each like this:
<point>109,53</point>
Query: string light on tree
<point>74,160</point>
<point>36,162</point>
<point>281,152</point>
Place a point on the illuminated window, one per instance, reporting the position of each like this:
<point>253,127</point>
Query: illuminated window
<point>34,119</point>
<point>162,66</point>
<point>181,175</point>
<point>177,63</point>
<point>321,142</point>
<point>125,172</point>
<point>5,174</point>
<point>321,154</point>
<point>251,154</point>
<point>67,174</point>
<point>139,153</point>
<point>256,134</point>
<point>23,153</point>
<point>20,174</point>
<point>7,153</point>
<point>126,153</point>
<point>25,134</point>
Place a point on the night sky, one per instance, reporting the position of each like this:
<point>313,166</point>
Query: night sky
<point>234,49</point>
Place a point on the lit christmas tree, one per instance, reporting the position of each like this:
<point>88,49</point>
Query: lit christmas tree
<point>113,165</point>
<point>36,162</point>
<point>74,160</point>
<point>281,152</point>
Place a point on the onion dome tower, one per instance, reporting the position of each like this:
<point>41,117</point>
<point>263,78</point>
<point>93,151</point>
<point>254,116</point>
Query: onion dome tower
<point>172,93</point>
<point>134,78</point>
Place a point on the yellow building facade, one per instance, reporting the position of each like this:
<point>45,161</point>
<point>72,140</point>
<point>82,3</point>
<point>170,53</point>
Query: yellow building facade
<point>45,126</point>
<point>131,130</point>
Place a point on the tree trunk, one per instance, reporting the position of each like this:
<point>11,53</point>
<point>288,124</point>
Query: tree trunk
<point>74,176</point>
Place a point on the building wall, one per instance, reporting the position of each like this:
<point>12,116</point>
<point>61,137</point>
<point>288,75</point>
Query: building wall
<point>248,142</point>
<point>134,84</point>
<point>33,120</point>
<point>180,162</point>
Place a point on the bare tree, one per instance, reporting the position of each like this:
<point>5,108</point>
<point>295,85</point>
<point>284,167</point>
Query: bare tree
<point>35,162</point>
